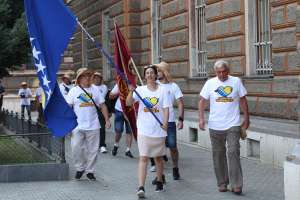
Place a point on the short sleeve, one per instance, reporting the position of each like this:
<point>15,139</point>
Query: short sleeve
<point>104,90</point>
<point>29,92</point>
<point>205,91</point>
<point>241,89</point>
<point>176,91</point>
<point>134,95</point>
<point>70,97</point>
<point>115,90</point>
<point>61,88</point>
<point>19,93</point>
<point>167,102</point>
<point>98,98</point>
<point>37,92</point>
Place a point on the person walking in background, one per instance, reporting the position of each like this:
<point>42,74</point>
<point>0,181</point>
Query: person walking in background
<point>226,94</point>
<point>66,85</point>
<point>165,80</point>
<point>85,100</point>
<point>98,83</point>
<point>151,135</point>
<point>120,121</point>
<point>25,95</point>
<point>2,91</point>
<point>39,95</point>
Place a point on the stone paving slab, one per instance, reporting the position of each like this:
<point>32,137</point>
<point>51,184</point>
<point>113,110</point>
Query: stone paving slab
<point>117,179</point>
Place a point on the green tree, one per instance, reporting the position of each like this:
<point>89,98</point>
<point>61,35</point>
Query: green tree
<point>14,40</point>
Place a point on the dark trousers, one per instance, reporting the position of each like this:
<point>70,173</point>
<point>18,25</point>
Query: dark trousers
<point>28,111</point>
<point>102,131</point>
<point>1,102</point>
<point>41,113</point>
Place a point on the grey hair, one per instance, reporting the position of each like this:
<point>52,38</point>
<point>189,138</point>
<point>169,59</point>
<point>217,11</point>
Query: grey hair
<point>221,63</point>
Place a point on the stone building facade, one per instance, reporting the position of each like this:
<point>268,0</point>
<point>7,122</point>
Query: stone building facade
<point>259,38</point>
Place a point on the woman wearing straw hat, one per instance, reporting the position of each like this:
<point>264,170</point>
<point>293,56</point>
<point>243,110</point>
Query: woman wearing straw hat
<point>25,95</point>
<point>151,135</point>
<point>86,101</point>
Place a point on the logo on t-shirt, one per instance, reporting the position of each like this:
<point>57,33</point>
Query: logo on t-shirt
<point>224,92</point>
<point>150,103</point>
<point>86,101</point>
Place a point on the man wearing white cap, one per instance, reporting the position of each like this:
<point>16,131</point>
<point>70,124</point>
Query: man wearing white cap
<point>98,83</point>
<point>65,86</point>
<point>86,101</point>
<point>25,95</point>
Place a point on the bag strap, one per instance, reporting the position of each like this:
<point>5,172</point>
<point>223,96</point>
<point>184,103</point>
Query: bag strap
<point>66,88</point>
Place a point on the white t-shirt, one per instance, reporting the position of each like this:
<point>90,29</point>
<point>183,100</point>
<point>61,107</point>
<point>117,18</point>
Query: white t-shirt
<point>39,92</point>
<point>116,91</point>
<point>157,100</point>
<point>102,88</point>
<point>175,93</point>
<point>25,96</point>
<point>65,89</point>
<point>224,102</point>
<point>84,108</point>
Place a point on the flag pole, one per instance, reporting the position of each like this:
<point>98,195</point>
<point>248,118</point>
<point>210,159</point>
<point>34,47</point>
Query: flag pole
<point>99,47</point>
<point>136,71</point>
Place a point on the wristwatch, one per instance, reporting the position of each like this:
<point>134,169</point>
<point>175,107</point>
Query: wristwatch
<point>180,119</point>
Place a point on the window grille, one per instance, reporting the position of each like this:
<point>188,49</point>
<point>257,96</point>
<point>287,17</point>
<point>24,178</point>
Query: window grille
<point>263,42</point>
<point>201,52</point>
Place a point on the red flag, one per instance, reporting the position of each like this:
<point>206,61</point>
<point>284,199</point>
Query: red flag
<point>122,61</point>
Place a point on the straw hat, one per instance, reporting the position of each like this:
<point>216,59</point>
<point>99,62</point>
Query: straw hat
<point>23,83</point>
<point>164,68</point>
<point>81,72</point>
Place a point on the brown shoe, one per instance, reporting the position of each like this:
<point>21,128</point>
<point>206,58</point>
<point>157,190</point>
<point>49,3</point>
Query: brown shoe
<point>223,188</point>
<point>237,190</point>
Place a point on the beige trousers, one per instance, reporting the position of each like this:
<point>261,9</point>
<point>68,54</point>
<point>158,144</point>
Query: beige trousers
<point>85,144</point>
<point>226,158</point>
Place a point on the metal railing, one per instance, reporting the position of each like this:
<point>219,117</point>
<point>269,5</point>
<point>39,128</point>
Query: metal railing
<point>28,141</point>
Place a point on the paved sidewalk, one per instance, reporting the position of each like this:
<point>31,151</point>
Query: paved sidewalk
<point>117,179</point>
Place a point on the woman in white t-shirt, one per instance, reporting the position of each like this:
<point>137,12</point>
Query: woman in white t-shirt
<point>151,135</point>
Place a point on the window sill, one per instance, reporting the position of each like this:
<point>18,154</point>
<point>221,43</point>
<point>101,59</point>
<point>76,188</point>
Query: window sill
<point>197,78</point>
<point>258,77</point>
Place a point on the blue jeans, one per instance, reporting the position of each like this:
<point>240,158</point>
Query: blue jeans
<point>28,111</point>
<point>119,123</point>
<point>171,140</point>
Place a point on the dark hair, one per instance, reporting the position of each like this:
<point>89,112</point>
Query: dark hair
<point>152,67</point>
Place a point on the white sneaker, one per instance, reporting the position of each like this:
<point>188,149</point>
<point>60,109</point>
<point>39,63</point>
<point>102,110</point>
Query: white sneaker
<point>153,168</point>
<point>103,150</point>
<point>141,193</point>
